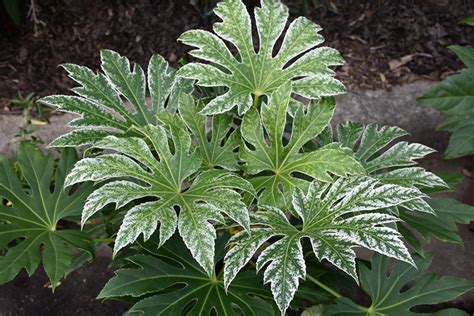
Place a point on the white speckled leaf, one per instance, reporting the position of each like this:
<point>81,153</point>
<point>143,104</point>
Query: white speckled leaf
<point>198,234</point>
<point>245,247</point>
<point>214,145</point>
<point>337,249</point>
<point>255,71</point>
<point>286,266</point>
<point>283,159</point>
<point>335,218</point>
<point>172,179</point>
<point>118,192</point>
<point>100,106</point>
<point>400,155</point>
<point>374,151</point>
<point>412,176</point>
<point>392,163</point>
<point>143,219</point>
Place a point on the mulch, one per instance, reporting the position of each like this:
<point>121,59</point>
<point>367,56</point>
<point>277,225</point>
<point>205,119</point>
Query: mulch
<point>76,295</point>
<point>385,43</point>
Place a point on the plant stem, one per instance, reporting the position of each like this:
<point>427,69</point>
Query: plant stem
<point>323,286</point>
<point>255,100</point>
<point>221,273</point>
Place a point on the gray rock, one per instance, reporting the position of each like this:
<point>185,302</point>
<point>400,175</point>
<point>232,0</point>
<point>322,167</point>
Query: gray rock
<point>10,125</point>
<point>396,107</point>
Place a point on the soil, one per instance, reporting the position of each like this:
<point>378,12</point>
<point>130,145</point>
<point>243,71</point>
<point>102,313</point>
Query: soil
<point>411,36</point>
<point>75,296</point>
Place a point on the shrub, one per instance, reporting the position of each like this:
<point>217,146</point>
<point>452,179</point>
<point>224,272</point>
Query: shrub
<point>255,162</point>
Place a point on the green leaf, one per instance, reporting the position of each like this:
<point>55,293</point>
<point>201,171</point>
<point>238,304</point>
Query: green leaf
<point>461,142</point>
<point>385,290</point>
<point>212,141</point>
<point>453,95</point>
<point>335,218</point>
<point>466,54</point>
<point>32,220</point>
<point>282,159</point>
<point>169,281</point>
<point>441,224</point>
<point>172,180</point>
<point>99,98</point>
<point>469,20</point>
<point>258,72</point>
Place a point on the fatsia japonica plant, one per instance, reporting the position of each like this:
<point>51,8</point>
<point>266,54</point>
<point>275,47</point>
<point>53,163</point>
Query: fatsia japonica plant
<point>256,160</point>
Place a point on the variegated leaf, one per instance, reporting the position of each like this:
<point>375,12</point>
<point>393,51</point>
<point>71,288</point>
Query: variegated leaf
<point>172,180</point>
<point>335,218</point>
<point>258,72</point>
<point>390,163</point>
<point>99,98</point>
<point>213,142</point>
<point>412,177</point>
<point>281,158</point>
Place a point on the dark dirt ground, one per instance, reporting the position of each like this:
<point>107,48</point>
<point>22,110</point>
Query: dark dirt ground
<point>370,34</point>
<point>75,296</point>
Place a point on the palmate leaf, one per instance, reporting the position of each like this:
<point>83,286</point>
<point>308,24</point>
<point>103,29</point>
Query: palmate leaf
<point>391,163</point>
<point>31,223</point>
<point>215,146</point>
<point>100,97</point>
<point>335,218</point>
<point>372,148</point>
<point>386,293</point>
<point>283,160</point>
<point>172,181</point>
<point>260,73</point>
<point>168,281</point>
<point>434,217</point>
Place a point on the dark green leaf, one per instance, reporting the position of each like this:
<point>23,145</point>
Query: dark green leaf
<point>33,218</point>
<point>385,290</point>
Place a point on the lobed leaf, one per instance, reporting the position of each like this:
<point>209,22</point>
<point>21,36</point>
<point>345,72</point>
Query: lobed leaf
<point>99,100</point>
<point>213,141</point>
<point>454,96</point>
<point>172,180</point>
<point>387,297</point>
<point>169,281</point>
<point>258,72</point>
<point>335,218</point>
<point>37,207</point>
<point>277,165</point>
